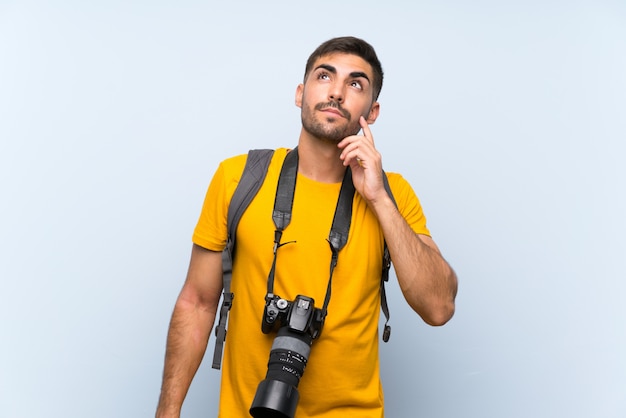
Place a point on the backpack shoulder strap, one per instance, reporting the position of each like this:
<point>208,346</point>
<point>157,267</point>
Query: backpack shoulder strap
<point>385,273</point>
<point>250,182</point>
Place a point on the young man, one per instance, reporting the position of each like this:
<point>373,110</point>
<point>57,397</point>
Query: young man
<point>338,99</point>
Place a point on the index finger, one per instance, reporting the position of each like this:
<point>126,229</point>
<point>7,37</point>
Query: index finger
<point>366,129</point>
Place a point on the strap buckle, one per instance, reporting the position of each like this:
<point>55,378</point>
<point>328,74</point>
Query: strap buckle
<point>228,300</point>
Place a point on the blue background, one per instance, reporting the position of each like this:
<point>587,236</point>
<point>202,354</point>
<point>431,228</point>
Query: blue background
<point>507,117</point>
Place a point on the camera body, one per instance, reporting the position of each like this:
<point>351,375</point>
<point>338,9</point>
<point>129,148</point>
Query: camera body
<point>297,324</point>
<point>300,316</point>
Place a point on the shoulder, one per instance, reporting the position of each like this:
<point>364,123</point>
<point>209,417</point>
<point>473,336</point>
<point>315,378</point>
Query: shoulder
<point>408,203</point>
<point>233,167</point>
<point>400,187</point>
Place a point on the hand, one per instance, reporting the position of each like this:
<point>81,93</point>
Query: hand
<point>359,152</point>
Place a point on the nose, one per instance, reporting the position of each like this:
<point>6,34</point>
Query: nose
<point>336,93</point>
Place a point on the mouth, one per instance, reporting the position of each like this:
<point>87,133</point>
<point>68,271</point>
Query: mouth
<point>333,109</point>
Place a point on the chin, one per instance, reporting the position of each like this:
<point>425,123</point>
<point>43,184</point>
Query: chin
<point>329,130</point>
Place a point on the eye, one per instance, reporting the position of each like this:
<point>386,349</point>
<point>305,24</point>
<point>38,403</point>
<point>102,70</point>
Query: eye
<point>323,76</point>
<point>356,84</point>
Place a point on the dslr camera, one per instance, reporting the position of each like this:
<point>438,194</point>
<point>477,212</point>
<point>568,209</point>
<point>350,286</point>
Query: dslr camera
<point>297,324</point>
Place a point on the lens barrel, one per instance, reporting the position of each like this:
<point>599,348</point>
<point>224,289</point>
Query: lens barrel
<point>277,395</point>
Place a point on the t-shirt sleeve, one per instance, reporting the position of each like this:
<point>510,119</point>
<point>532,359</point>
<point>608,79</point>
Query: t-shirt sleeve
<point>211,230</point>
<point>408,203</point>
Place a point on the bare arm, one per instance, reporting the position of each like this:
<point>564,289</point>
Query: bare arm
<point>191,324</point>
<point>427,281</point>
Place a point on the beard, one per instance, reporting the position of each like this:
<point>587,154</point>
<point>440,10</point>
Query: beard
<point>328,128</point>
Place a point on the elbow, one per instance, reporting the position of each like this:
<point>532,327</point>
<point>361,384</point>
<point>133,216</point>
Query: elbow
<point>192,299</point>
<point>438,310</point>
<point>435,305</point>
<point>442,307</point>
<point>440,315</point>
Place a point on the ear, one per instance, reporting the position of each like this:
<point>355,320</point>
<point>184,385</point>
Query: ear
<point>373,113</point>
<point>299,94</point>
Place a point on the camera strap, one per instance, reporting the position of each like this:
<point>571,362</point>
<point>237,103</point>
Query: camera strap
<point>250,182</point>
<point>283,205</point>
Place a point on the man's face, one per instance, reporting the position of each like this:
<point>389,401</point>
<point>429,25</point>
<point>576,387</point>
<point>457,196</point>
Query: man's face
<point>336,92</point>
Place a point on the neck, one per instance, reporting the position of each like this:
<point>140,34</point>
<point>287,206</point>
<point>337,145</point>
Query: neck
<point>319,159</point>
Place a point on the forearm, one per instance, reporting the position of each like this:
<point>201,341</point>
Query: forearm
<point>186,343</point>
<point>427,281</point>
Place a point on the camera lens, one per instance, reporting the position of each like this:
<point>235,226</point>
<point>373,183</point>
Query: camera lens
<point>277,395</point>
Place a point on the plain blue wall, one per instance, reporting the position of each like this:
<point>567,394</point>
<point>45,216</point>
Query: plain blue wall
<point>507,117</point>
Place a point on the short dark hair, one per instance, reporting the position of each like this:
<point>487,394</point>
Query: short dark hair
<point>354,46</point>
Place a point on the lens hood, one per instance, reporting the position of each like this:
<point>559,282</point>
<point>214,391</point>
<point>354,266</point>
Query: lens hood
<point>274,399</point>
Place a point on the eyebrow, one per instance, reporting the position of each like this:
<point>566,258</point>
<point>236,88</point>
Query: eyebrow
<point>333,70</point>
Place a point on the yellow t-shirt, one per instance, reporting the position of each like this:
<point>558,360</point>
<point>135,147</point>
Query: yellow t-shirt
<point>341,378</point>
